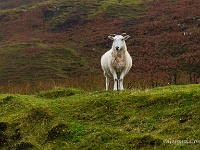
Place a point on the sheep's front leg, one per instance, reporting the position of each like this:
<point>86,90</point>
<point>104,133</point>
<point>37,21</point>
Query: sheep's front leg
<point>121,80</point>
<point>115,80</point>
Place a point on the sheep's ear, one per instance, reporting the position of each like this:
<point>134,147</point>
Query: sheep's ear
<point>126,37</point>
<point>110,37</point>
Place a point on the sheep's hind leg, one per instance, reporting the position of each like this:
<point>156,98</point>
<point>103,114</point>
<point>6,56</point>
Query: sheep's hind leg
<point>107,82</point>
<point>121,87</point>
<point>121,84</point>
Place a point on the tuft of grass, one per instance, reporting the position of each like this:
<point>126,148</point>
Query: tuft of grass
<point>130,119</point>
<point>39,114</point>
<point>60,93</point>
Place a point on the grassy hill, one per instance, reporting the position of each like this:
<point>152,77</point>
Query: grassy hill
<point>159,118</point>
<point>58,43</point>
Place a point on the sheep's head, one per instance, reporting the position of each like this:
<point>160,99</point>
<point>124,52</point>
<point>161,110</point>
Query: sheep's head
<point>118,41</point>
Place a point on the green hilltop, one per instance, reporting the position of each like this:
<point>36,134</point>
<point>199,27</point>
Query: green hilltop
<point>159,118</point>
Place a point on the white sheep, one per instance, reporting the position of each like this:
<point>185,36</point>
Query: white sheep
<point>117,61</point>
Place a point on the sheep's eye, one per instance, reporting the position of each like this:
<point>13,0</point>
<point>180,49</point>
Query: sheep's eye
<point>122,39</point>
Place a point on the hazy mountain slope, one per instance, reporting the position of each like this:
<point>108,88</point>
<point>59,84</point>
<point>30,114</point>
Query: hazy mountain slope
<point>158,45</point>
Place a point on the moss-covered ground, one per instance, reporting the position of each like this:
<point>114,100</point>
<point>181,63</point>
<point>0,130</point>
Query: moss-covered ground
<point>158,118</point>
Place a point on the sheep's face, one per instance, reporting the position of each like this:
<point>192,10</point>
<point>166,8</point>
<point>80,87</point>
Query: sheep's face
<point>118,41</point>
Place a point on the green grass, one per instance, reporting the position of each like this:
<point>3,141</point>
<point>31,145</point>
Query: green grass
<point>74,119</point>
<point>124,9</point>
<point>37,61</point>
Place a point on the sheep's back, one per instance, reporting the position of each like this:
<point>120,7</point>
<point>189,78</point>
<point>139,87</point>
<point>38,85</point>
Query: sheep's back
<point>128,62</point>
<point>105,60</point>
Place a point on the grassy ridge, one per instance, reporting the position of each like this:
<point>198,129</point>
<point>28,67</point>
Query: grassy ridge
<point>74,119</point>
<point>32,61</point>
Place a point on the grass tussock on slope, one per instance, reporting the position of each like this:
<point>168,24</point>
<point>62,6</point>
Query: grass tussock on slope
<point>101,120</point>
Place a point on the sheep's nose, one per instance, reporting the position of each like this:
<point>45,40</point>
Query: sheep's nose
<point>117,48</point>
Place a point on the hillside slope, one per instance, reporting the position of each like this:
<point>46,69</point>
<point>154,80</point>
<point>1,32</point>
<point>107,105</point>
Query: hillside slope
<point>159,118</point>
<point>59,39</point>
<point>41,39</point>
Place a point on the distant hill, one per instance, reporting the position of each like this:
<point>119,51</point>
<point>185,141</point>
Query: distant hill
<point>59,39</point>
